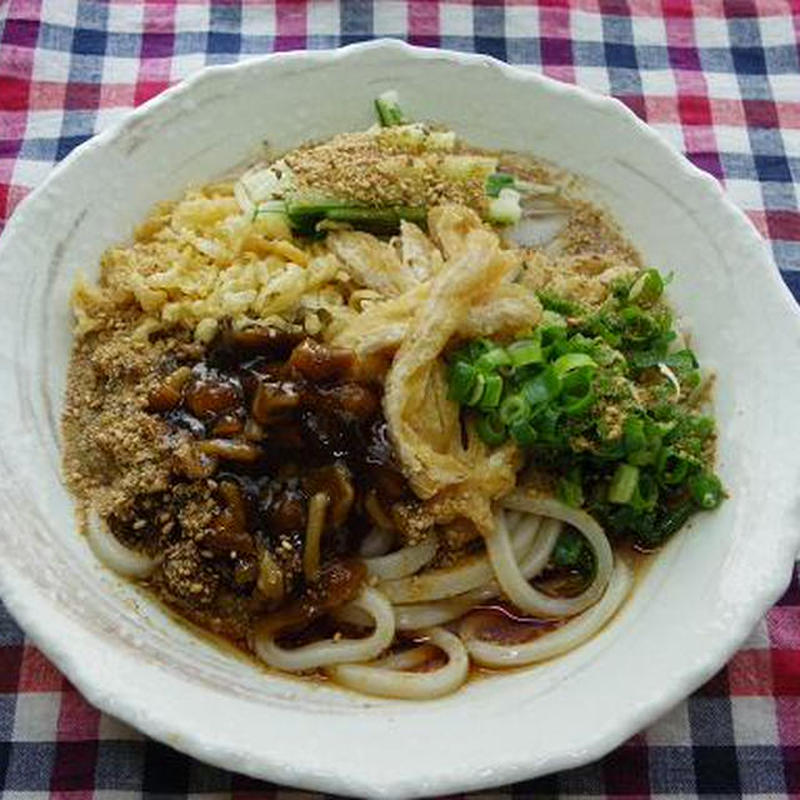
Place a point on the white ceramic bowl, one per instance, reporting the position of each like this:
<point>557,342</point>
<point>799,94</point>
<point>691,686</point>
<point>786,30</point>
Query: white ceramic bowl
<point>689,614</point>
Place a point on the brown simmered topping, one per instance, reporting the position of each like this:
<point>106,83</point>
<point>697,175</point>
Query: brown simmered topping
<point>228,450</point>
<point>337,583</point>
<point>318,362</point>
<point>286,513</point>
<point>227,425</point>
<point>167,394</point>
<point>260,442</point>
<point>273,398</point>
<point>210,395</point>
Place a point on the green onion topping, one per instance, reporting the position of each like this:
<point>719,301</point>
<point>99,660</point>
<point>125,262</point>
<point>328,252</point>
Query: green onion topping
<point>491,429</point>
<point>647,288</point>
<point>583,396</point>
<point>389,111</point>
<point>623,484</point>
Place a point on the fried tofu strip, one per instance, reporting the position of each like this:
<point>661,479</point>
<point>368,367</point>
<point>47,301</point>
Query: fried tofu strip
<point>423,422</point>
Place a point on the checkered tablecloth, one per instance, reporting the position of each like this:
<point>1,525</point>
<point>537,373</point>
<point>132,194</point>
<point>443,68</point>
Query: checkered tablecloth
<point>721,80</point>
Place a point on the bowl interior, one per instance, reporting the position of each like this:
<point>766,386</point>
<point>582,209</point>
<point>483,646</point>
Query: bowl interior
<point>692,607</point>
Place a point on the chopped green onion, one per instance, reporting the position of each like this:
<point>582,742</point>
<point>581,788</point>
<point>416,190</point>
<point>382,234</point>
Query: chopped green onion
<point>665,428</point>
<point>639,326</point>
<point>491,429</point>
<point>603,327</point>
<point>641,458</point>
<point>269,207</point>
<point>645,359</point>
<point>389,111</point>
<point>548,424</point>
<point>648,453</point>
<point>623,484</point>
<point>611,450</point>
<point>462,381</point>
<point>577,395</point>
<point>523,433</point>
<point>550,319</point>
<point>475,349</point>
<point>569,550</point>
<point>570,492</point>
<point>706,490</point>
<point>571,361</point>
<point>647,288</point>
<point>538,391</point>
<point>671,522</point>
<point>646,493</point>
<point>494,358</point>
<point>542,388</point>
<point>377,219</point>
<point>671,468</point>
<point>306,212</point>
<point>492,392</point>
<point>691,380</point>
<point>524,352</point>
<point>552,337</point>
<point>553,302</point>
<point>498,181</point>
<point>477,390</point>
<point>514,408</point>
<point>703,427</point>
<point>682,360</point>
<point>633,433</point>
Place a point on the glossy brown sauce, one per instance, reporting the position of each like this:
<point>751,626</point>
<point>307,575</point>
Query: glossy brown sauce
<point>285,418</point>
<point>271,421</point>
<point>288,411</point>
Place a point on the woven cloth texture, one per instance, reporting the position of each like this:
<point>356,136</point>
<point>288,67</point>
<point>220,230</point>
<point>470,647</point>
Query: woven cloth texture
<point>720,80</point>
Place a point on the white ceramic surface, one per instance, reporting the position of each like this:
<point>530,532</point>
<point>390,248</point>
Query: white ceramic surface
<point>696,604</point>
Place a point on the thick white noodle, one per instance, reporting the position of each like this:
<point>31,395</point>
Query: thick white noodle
<point>414,616</point>
<point>513,519</point>
<point>451,581</point>
<point>334,651</point>
<point>352,614</point>
<point>402,563</point>
<point>123,560</point>
<point>386,682</point>
<point>538,556</point>
<point>514,584</point>
<point>378,542</point>
<point>558,641</point>
<point>423,615</point>
<point>407,659</point>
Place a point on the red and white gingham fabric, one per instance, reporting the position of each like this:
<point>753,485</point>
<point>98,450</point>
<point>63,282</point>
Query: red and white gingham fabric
<point>721,80</point>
